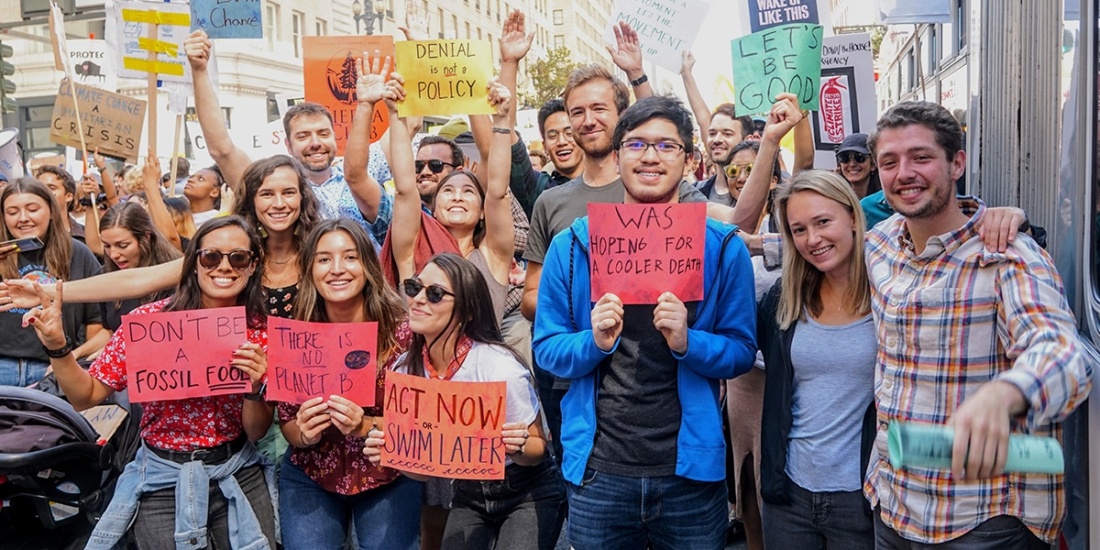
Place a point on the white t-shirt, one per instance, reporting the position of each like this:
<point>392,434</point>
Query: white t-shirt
<point>202,217</point>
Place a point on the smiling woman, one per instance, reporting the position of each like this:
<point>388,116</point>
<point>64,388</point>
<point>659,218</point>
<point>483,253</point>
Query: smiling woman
<point>30,210</point>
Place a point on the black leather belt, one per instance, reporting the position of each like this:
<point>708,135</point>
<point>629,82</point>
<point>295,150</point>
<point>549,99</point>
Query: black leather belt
<point>212,455</point>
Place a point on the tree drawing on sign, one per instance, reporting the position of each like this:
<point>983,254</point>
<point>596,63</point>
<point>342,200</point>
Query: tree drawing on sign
<point>341,77</point>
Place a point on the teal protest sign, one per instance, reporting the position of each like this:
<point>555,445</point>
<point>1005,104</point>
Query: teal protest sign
<point>774,61</point>
<point>227,18</point>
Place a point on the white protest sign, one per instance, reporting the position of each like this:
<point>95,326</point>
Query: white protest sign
<point>257,142</point>
<point>758,15</point>
<point>131,22</point>
<point>665,27</point>
<point>848,103</point>
<point>93,65</point>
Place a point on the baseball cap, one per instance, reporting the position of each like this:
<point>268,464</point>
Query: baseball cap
<point>854,142</point>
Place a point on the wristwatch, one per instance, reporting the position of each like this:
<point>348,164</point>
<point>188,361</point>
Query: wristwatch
<point>257,395</point>
<point>60,352</point>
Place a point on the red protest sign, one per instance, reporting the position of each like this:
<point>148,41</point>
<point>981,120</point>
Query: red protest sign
<point>639,251</point>
<point>329,73</point>
<point>184,354</point>
<point>321,359</point>
<point>443,428</point>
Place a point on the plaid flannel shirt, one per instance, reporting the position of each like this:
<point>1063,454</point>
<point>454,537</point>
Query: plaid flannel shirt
<point>950,320</point>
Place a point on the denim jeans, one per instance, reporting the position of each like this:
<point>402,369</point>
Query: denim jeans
<point>21,372</point>
<point>385,518</point>
<point>834,520</point>
<point>525,510</point>
<point>156,517</point>
<point>998,533</point>
<point>609,512</point>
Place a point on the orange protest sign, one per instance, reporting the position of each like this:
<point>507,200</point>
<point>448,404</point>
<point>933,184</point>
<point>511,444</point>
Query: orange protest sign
<point>329,72</point>
<point>639,251</point>
<point>443,428</point>
<point>322,359</point>
<point>184,354</point>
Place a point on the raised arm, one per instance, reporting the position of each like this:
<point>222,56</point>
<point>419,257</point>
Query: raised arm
<point>695,98</point>
<point>406,199</point>
<point>116,285</point>
<point>369,87</point>
<point>106,176</point>
<point>499,239</point>
<point>784,115</point>
<point>627,55</point>
<point>89,188</point>
<point>803,145</point>
<point>158,211</point>
<point>231,159</point>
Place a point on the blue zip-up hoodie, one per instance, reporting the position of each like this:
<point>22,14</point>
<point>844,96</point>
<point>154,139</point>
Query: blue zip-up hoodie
<point>721,345</point>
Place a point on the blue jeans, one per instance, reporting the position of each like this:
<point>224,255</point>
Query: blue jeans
<point>525,510</point>
<point>609,512</point>
<point>15,371</point>
<point>385,518</point>
<point>834,520</point>
<point>996,533</point>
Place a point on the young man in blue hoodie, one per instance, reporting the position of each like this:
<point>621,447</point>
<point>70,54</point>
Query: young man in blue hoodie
<point>641,424</point>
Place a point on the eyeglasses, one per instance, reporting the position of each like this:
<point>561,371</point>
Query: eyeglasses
<point>637,148</point>
<point>434,293</point>
<point>849,156</point>
<point>238,259</point>
<point>553,135</point>
<point>435,165</point>
<point>733,171</point>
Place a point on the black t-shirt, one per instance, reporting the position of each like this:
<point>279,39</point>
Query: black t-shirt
<point>23,343</point>
<point>638,401</point>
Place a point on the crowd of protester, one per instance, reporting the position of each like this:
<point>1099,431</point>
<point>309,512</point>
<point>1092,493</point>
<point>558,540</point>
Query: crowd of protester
<point>654,425</point>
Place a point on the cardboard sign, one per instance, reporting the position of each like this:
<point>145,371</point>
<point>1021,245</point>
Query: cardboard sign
<point>778,60</point>
<point>322,359</point>
<point>111,122</point>
<point>640,251</point>
<point>105,419</point>
<point>184,354</point>
<point>758,15</point>
<point>445,77</point>
<point>848,103</point>
<point>444,429</point>
<point>665,27</point>
<point>92,65</point>
<point>329,71</point>
<point>228,18</point>
<point>132,23</point>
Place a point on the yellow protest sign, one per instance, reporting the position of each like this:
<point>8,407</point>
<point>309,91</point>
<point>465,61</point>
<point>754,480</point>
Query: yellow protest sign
<point>445,77</point>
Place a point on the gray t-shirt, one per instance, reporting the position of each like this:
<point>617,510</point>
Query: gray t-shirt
<point>557,208</point>
<point>833,386</point>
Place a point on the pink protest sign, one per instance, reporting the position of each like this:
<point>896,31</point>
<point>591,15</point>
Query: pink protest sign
<point>184,354</point>
<point>310,360</point>
<point>639,251</point>
<point>443,428</point>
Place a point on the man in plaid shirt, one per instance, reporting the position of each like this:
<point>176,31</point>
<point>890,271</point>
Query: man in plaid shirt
<point>983,341</point>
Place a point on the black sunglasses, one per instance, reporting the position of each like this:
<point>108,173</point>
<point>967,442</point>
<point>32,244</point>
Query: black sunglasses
<point>238,259</point>
<point>848,155</point>
<point>435,165</point>
<point>434,293</point>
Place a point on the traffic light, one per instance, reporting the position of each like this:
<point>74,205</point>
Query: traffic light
<point>7,87</point>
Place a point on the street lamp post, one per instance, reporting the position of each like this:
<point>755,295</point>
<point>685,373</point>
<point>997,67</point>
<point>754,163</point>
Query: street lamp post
<point>375,11</point>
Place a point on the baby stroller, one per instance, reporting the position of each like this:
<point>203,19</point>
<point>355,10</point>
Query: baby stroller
<point>56,473</point>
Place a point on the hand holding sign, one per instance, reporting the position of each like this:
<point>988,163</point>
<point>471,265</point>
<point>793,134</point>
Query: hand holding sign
<point>607,321</point>
<point>46,318</point>
<point>395,92</point>
<point>670,317</point>
<point>251,360</point>
<point>345,415</point>
<point>500,97</point>
<point>312,420</point>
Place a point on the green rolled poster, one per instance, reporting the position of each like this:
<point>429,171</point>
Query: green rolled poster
<point>929,446</point>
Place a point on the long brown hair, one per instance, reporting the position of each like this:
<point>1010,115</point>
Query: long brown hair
<point>381,303</point>
<point>801,280</point>
<point>58,249</point>
<point>155,249</point>
<point>309,211</point>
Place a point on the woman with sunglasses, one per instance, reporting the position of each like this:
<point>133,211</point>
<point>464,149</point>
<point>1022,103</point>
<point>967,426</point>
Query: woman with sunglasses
<point>456,337</point>
<point>326,483</point>
<point>478,217</point>
<point>189,446</point>
<point>854,163</point>
<point>31,212</point>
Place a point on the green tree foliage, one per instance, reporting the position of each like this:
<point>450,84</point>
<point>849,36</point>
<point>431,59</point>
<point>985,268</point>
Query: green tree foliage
<point>548,75</point>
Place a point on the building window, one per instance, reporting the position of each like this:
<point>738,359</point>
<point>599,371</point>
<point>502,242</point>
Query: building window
<point>559,17</point>
<point>960,25</point>
<point>454,25</point>
<point>933,45</point>
<point>559,41</point>
<point>468,30</point>
<point>271,33</point>
<point>297,22</point>
<point>321,27</point>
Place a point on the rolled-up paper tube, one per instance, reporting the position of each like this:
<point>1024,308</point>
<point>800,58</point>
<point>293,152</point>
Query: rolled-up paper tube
<point>929,446</point>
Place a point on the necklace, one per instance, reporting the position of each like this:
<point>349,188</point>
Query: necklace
<point>277,262</point>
